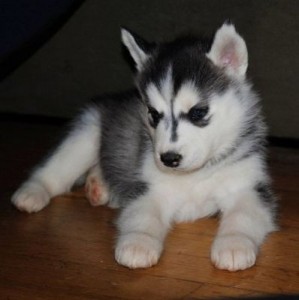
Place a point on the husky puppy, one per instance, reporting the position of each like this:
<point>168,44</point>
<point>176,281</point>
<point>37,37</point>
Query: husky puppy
<point>186,144</point>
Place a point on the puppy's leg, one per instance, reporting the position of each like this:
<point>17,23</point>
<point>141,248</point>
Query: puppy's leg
<point>95,187</point>
<point>243,228</point>
<point>142,233</point>
<point>77,153</point>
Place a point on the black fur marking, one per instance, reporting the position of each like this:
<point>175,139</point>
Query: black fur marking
<point>187,58</point>
<point>124,142</point>
<point>198,119</point>
<point>174,125</point>
<point>216,160</point>
<point>154,116</point>
<point>266,194</point>
<point>198,113</point>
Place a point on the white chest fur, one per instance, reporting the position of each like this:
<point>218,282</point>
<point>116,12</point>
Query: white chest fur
<point>186,197</point>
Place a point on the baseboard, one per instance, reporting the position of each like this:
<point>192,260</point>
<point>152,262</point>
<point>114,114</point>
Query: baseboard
<point>60,121</point>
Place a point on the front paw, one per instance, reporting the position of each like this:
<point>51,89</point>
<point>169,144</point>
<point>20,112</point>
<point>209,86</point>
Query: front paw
<point>233,252</point>
<point>138,250</point>
<point>31,197</point>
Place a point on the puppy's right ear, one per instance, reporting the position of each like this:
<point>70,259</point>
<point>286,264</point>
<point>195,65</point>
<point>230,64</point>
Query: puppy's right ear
<point>140,50</point>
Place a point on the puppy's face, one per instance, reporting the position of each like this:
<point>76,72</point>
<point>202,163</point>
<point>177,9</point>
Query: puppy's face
<point>191,125</point>
<point>194,111</point>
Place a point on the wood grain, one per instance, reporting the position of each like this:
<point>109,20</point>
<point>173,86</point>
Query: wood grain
<point>66,250</point>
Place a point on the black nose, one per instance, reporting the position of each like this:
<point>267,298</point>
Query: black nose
<point>171,159</point>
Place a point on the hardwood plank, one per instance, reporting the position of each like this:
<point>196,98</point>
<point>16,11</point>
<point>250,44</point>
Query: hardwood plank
<point>69,230</point>
<point>75,279</point>
<point>66,250</point>
<point>217,291</point>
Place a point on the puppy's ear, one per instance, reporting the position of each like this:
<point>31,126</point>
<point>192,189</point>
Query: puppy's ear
<point>140,50</point>
<point>229,51</point>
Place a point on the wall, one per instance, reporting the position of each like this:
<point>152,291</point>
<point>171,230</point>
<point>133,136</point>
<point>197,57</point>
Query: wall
<point>84,58</point>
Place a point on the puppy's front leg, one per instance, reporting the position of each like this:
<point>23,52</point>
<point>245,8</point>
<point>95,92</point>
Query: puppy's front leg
<point>242,230</point>
<point>142,233</point>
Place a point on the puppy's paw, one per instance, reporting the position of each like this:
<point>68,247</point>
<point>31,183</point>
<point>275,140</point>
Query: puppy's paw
<point>137,250</point>
<point>31,197</point>
<point>233,252</point>
<point>96,191</point>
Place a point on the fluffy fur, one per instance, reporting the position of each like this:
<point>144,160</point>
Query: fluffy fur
<point>186,144</point>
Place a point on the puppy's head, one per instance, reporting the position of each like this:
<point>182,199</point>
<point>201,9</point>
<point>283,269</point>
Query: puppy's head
<point>191,88</point>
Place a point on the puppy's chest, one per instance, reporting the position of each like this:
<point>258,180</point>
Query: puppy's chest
<point>185,198</point>
<point>197,201</point>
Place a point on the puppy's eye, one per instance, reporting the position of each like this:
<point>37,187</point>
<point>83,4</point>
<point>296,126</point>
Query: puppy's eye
<point>197,114</point>
<point>154,117</point>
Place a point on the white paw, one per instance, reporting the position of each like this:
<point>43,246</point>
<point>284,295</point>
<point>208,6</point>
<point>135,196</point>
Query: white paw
<point>137,250</point>
<point>96,191</point>
<point>233,252</point>
<point>31,197</point>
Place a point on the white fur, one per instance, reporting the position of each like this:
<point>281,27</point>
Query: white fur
<point>187,96</point>
<point>167,86</point>
<point>137,53</point>
<point>176,197</point>
<point>142,232</point>
<point>77,154</point>
<point>190,192</point>
<point>196,188</point>
<point>157,99</point>
<point>196,145</point>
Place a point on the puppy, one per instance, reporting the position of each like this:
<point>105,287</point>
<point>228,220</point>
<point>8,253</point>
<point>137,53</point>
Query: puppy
<point>187,143</point>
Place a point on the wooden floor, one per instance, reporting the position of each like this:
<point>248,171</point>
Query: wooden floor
<point>66,250</point>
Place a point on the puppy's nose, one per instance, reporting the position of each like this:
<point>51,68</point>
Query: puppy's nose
<point>171,159</point>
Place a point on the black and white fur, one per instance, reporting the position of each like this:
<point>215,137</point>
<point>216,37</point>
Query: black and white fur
<point>186,144</point>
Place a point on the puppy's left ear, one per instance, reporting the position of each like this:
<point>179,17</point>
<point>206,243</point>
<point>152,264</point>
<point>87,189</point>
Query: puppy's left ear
<point>229,51</point>
<point>140,50</point>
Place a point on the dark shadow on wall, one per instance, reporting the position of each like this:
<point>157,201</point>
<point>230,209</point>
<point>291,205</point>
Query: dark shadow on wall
<point>26,25</point>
